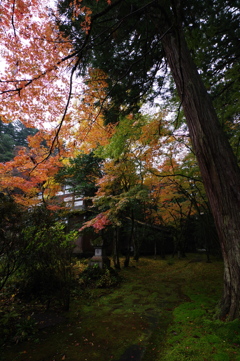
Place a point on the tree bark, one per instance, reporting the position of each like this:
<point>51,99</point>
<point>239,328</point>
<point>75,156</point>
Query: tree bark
<point>116,260</point>
<point>218,166</point>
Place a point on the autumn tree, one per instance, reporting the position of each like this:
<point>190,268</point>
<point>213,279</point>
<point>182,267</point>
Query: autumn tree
<point>36,89</point>
<point>117,204</point>
<point>139,41</point>
<point>38,160</point>
<point>180,198</point>
<point>134,184</point>
<point>119,199</point>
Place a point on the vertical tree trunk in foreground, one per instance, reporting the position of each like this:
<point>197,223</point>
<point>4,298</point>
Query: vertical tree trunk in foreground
<point>218,166</point>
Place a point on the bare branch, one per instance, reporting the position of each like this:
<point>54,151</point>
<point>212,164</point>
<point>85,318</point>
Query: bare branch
<point>174,175</point>
<point>13,25</point>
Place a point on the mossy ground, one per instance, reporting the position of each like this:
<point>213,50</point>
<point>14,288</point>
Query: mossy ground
<point>162,311</point>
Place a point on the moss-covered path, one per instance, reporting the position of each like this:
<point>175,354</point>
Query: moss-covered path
<point>127,323</point>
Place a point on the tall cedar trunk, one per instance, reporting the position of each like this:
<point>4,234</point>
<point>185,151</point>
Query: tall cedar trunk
<point>216,160</point>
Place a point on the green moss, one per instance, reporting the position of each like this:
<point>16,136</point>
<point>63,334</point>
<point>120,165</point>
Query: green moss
<point>164,310</point>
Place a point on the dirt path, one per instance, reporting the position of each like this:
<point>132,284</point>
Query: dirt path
<point>128,323</point>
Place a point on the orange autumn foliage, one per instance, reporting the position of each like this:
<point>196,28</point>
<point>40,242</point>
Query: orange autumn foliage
<point>37,88</point>
<point>83,130</point>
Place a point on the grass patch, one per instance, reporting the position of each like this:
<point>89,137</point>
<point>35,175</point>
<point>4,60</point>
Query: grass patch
<point>161,311</point>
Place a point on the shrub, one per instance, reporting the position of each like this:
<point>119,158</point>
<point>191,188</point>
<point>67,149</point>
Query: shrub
<point>47,271</point>
<point>96,277</point>
<point>12,242</point>
<point>15,328</point>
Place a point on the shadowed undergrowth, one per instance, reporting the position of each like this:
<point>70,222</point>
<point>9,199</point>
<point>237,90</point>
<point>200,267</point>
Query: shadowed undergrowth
<point>162,311</point>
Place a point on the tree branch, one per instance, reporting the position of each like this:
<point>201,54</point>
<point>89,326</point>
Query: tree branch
<point>12,19</point>
<point>175,175</point>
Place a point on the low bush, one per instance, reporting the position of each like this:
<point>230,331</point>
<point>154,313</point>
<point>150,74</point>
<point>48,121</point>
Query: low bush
<point>96,277</point>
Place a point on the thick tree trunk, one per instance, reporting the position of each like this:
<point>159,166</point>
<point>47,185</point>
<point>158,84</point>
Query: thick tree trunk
<point>216,160</point>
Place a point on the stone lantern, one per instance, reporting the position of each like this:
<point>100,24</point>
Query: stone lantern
<point>99,257</point>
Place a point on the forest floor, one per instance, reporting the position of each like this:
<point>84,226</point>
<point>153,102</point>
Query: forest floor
<point>162,311</point>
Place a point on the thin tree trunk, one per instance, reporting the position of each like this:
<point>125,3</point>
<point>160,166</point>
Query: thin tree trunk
<point>136,244</point>
<point>155,248</point>
<point>216,160</point>
<point>116,260</point>
<point>130,241</point>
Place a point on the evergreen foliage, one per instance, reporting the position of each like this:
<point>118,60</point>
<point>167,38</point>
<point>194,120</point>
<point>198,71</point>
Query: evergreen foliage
<point>82,173</point>
<point>13,135</point>
<point>124,40</point>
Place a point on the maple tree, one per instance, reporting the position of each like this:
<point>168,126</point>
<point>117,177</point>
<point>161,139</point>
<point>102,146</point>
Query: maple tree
<point>29,90</point>
<point>115,201</point>
<point>136,190</point>
<point>37,88</point>
<point>32,170</point>
<point>31,49</point>
<point>180,197</point>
